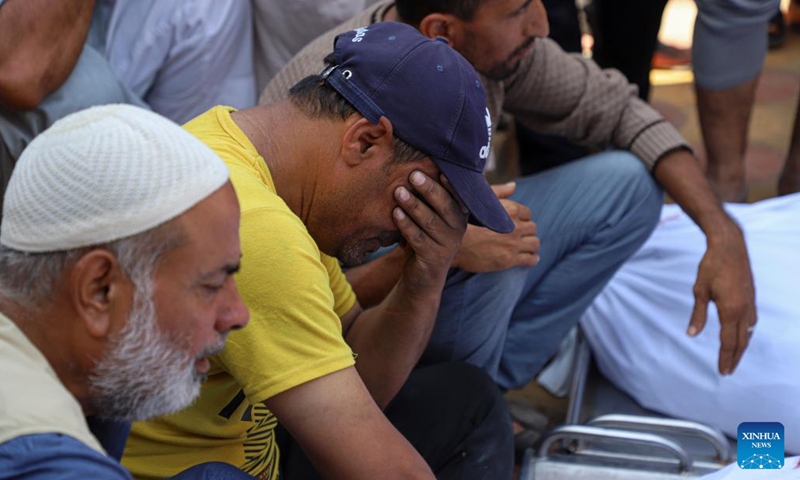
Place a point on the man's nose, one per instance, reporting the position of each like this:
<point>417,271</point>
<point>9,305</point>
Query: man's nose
<point>235,314</point>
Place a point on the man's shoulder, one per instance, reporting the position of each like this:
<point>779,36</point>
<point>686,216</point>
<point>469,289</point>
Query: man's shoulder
<point>51,455</point>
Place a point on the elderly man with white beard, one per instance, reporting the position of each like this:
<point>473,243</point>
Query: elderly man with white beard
<point>119,242</point>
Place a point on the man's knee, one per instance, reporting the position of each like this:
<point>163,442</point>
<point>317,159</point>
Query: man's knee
<point>454,386</point>
<point>623,171</point>
<point>620,168</point>
<point>476,383</point>
<point>465,407</point>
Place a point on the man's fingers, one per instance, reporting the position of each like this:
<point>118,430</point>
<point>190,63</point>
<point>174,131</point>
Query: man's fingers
<point>446,183</point>
<point>412,234</point>
<point>516,211</point>
<point>415,209</point>
<point>443,206</point>
<point>699,313</point>
<point>524,213</point>
<point>728,339</point>
<point>526,229</point>
<point>528,259</point>
<point>504,190</point>
<point>533,244</point>
<point>746,327</point>
<point>745,331</point>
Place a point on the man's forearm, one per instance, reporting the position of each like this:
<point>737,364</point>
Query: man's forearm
<point>724,274</point>
<point>390,338</point>
<point>40,42</point>
<point>681,177</point>
<point>373,280</point>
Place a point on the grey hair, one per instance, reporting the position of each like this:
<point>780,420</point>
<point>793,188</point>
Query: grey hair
<point>30,280</point>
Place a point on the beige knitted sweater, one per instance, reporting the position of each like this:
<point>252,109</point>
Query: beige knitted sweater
<point>552,92</point>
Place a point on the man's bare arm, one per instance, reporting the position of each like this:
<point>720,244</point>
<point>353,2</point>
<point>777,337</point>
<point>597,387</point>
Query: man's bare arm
<point>724,275</point>
<point>373,280</point>
<point>40,42</point>
<point>344,433</point>
<point>390,338</point>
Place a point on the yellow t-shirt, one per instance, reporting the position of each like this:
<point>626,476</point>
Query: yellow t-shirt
<point>296,296</point>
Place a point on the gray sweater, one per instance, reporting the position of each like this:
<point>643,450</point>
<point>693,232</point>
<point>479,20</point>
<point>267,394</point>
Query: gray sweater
<point>552,92</point>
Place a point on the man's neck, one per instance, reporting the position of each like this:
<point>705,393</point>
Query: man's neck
<point>49,339</point>
<point>294,148</point>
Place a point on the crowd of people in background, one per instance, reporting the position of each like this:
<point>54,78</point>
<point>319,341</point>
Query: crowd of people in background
<point>265,239</point>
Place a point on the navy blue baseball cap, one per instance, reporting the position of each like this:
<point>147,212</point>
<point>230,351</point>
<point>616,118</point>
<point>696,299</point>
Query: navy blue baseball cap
<point>434,100</point>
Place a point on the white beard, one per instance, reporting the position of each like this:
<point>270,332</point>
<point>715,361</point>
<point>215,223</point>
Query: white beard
<point>146,372</point>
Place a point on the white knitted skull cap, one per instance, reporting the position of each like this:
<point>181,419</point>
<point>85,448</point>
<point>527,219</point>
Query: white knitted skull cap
<point>103,174</point>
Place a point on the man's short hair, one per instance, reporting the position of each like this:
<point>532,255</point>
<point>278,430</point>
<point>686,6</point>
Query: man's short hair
<point>30,280</point>
<point>316,99</point>
<point>413,11</point>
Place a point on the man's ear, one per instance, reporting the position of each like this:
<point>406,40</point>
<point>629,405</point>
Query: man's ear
<point>441,25</point>
<point>363,140</point>
<point>98,289</point>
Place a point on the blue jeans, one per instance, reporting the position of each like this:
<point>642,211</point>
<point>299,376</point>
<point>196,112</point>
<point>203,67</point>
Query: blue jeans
<point>591,215</point>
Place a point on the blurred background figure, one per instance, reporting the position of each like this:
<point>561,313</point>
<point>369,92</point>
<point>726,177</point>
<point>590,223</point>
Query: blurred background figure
<point>283,28</point>
<point>728,50</point>
<point>177,57</point>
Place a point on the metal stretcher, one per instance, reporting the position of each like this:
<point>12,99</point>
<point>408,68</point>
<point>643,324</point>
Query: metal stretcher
<point>622,447</point>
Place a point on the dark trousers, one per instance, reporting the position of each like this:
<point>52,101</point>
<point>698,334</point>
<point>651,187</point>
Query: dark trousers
<point>452,413</point>
<point>626,32</point>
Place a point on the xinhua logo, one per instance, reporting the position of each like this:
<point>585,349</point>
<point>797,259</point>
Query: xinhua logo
<point>760,445</point>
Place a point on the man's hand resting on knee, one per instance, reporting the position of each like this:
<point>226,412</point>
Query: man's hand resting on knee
<point>483,250</point>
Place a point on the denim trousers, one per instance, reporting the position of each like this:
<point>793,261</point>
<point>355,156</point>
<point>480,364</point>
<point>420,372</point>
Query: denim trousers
<point>592,215</point>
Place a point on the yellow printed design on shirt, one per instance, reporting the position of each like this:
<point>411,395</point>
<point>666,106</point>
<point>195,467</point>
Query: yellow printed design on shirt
<point>260,448</point>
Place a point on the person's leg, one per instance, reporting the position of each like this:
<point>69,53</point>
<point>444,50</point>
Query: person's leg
<point>592,216</point>
<point>473,317</point>
<point>728,50</point>
<point>626,32</point>
<point>790,177</point>
<point>452,413</point>
<point>724,121</point>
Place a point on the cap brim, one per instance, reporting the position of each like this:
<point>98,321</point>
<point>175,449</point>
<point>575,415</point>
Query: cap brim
<point>484,207</point>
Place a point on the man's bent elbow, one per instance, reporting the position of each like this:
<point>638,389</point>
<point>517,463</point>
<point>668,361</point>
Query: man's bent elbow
<point>15,95</point>
<point>25,88</point>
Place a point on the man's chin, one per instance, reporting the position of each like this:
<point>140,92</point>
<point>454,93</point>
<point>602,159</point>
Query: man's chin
<point>502,72</point>
<point>353,257</point>
<point>350,260</point>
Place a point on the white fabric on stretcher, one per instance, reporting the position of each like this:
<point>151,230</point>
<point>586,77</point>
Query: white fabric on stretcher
<point>791,470</point>
<point>636,327</point>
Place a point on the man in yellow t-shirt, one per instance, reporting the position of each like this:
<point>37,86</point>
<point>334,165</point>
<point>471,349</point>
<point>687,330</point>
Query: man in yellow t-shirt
<point>386,145</point>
